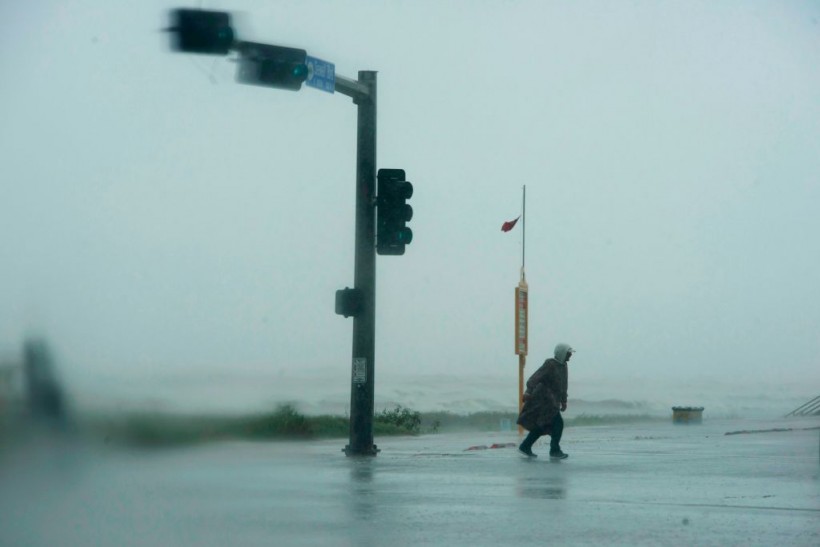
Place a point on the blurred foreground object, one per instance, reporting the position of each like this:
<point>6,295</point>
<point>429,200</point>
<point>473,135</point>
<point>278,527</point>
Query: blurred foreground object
<point>45,398</point>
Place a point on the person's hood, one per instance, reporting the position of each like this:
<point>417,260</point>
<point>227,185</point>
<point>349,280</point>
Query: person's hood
<point>561,352</point>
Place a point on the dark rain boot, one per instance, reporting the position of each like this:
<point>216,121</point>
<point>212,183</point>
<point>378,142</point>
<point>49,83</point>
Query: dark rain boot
<point>526,446</point>
<point>557,454</point>
<point>555,442</point>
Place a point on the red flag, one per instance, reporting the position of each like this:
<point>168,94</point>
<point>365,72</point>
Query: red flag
<point>509,225</point>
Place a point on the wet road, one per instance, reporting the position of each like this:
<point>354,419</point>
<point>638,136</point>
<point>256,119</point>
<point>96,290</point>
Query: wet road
<point>633,485</point>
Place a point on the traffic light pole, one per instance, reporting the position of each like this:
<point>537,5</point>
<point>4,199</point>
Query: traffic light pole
<point>362,386</point>
<point>210,32</point>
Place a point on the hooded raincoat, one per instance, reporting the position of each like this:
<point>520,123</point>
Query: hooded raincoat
<point>546,391</point>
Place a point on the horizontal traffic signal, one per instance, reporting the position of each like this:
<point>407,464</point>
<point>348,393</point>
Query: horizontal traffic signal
<point>200,31</point>
<point>272,66</point>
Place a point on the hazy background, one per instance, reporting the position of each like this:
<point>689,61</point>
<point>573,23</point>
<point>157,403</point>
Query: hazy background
<point>178,237</point>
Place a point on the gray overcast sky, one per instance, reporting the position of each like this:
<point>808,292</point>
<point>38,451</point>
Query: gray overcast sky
<point>161,222</point>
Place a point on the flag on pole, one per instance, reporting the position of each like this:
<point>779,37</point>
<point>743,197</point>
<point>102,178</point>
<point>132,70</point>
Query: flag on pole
<point>509,225</point>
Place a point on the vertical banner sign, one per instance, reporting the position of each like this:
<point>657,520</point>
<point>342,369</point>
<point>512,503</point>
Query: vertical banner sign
<point>521,311</point>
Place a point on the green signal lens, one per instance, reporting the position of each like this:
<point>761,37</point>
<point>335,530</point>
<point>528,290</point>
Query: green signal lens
<point>300,70</point>
<point>404,236</point>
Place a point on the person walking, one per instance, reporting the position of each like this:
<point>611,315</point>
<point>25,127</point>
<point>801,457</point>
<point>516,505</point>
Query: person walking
<point>544,400</point>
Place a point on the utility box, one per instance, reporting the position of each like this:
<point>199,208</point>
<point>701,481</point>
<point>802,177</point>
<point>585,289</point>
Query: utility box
<point>687,414</point>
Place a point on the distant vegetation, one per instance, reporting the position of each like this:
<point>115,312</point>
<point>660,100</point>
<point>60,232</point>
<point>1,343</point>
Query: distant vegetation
<point>285,422</point>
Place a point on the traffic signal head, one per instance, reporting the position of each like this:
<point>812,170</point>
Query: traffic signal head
<point>393,213</point>
<point>272,66</point>
<point>200,31</point>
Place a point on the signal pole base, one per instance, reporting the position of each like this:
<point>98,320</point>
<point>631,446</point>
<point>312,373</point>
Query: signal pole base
<point>371,450</point>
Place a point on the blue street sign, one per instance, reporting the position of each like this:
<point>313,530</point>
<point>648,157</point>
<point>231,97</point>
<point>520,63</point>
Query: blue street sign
<point>321,74</point>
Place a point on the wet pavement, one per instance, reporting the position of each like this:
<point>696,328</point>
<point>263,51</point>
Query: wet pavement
<point>656,484</point>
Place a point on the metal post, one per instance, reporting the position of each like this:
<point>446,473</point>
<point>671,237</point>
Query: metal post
<point>364,324</point>
<point>522,362</point>
<point>522,285</point>
<point>523,227</point>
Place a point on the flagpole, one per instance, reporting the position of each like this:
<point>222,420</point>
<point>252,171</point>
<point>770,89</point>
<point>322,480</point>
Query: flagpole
<point>522,292</point>
<point>524,228</point>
